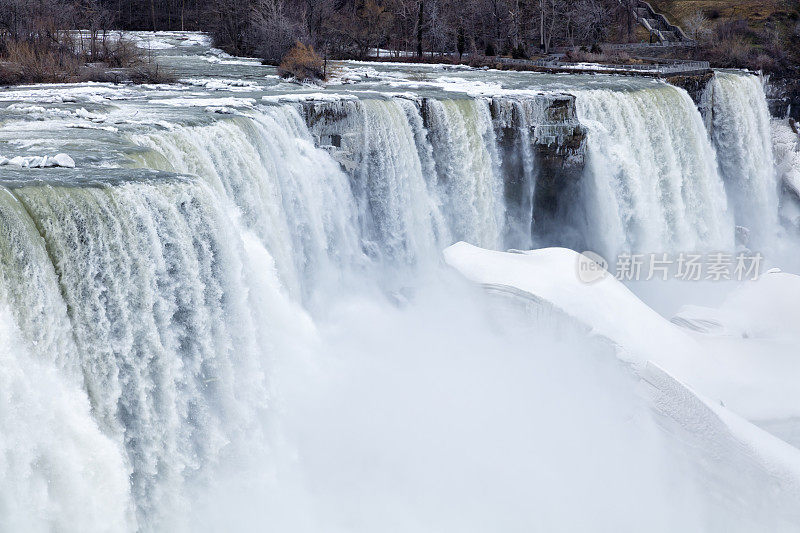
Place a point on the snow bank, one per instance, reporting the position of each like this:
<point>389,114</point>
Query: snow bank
<point>61,93</point>
<point>766,308</point>
<point>193,39</point>
<point>749,349</point>
<point>219,84</point>
<point>149,41</point>
<point>708,384</point>
<point>34,161</point>
<point>606,306</point>
<point>742,354</point>
<point>206,102</point>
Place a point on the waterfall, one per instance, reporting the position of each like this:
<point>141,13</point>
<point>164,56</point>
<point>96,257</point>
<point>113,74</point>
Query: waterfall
<point>740,129</point>
<point>29,287</point>
<point>293,196</point>
<point>652,182</point>
<point>414,185</point>
<point>468,169</point>
<point>400,212</point>
<point>144,316</point>
<point>522,123</point>
<point>164,312</point>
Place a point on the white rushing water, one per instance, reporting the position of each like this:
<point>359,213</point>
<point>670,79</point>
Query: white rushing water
<point>261,334</point>
<point>653,184</point>
<point>164,317</point>
<point>741,131</point>
<point>293,196</point>
<point>58,470</point>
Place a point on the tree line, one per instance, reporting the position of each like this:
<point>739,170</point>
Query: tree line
<point>39,43</point>
<point>355,28</point>
<point>348,28</point>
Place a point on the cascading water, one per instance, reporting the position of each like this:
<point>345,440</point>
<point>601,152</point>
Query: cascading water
<point>400,214</point>
<point>29,287</point>
<point>158,331</point>
<point>163,313</point>
<point>652,183</point>
<point>741,134</point>
<point>414,187</point>
<point>467,165</point>
<point>293,196</point>
<point>58,470</point>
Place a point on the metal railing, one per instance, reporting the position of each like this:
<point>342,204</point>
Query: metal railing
<point>644,68</point>
<point>626,46</point>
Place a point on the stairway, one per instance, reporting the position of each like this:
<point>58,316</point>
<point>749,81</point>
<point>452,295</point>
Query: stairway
<point>657,24</point>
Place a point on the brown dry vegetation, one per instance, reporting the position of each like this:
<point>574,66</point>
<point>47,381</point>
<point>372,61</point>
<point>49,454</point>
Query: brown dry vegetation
<point>26,61</point>
<point>38,45</point>
<point>756,12</point>
<point>303,64</point>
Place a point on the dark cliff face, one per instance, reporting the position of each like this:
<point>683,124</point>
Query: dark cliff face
<point>540,144</point>
<point>695,85</point>
<point>783,93</point>
<point>556,145</point>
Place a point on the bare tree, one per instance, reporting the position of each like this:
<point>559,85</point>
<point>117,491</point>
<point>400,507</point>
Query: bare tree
<point>696,26</point>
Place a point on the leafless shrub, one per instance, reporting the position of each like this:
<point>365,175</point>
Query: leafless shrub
<point>39,63</point>
<point>731,29</point>
<point>39,44</point>
<point>99,73</point>
<point>119,53</point>
<point>302,63</point>
<point>272,30</point>
<point>765,63</point>
<point>10,74</point>
<point>732,51</point>
<point>151,72</point>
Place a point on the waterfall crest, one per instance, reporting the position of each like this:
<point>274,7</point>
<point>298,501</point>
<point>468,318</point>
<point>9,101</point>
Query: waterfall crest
<point>29,287</point>
<point>652,182</point>
<point>468,169</point>
<point>292,195</point>
<point>405,186</point>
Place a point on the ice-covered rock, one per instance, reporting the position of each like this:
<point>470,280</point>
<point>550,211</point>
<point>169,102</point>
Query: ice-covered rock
<point>786,147</point>
<point>741,354</point>
<point>220,110</point>
<point>63,160</point>
<point>35,161</point>
<point>766,308</point>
